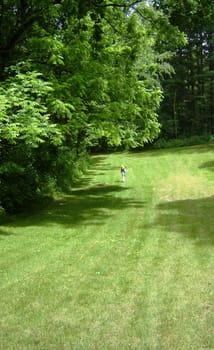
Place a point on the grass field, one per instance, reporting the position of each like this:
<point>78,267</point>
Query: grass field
<point>112,265</point>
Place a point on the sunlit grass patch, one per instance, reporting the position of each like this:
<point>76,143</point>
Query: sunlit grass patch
<point>181,186</point>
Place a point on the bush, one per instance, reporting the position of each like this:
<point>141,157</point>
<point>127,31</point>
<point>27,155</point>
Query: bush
<point>42,171</point>
<point>182,142</point>
<point>16,191</point>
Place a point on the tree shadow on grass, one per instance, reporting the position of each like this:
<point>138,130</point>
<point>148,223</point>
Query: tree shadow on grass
<point>207,165</point>
<point>85,204</point>
<point>192,218</point>
<point>99,162</point>
<point>5,233</point>
<point>81,206</point>
<point>98,167</point>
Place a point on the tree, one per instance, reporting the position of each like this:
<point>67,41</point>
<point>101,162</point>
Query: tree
<point>24,126</point>
<point>75,73</point>
<point>188,108</point>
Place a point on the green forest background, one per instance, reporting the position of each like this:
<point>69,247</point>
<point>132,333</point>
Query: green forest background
<point>81,76</point>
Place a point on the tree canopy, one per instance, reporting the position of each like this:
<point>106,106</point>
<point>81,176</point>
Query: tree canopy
<point>74,75</point>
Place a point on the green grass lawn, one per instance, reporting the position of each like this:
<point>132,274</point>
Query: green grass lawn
<point>115,265</point>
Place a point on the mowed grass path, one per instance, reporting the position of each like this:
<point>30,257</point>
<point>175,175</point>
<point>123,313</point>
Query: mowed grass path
<point>113,265</point>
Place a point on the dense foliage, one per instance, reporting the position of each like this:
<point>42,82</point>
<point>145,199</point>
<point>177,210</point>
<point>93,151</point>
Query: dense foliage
<point>75,75</point>
<point>188,107</point>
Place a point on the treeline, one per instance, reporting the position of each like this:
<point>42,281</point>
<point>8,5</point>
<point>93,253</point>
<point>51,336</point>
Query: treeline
<point>188,106</point>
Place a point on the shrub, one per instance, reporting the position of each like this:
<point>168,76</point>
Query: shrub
<point>181,142</point>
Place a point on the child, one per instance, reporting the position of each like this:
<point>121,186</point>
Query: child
<point>123,172</point>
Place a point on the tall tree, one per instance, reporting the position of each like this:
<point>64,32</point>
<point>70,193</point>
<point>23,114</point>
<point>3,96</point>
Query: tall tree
<point>188,106</point>
<point>75,73</point>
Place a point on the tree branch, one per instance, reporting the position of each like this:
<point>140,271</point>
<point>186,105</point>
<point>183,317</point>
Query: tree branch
<point>94,3</point>
<point>14,39</point>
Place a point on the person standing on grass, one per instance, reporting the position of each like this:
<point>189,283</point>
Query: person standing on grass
<point>123,173</point>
